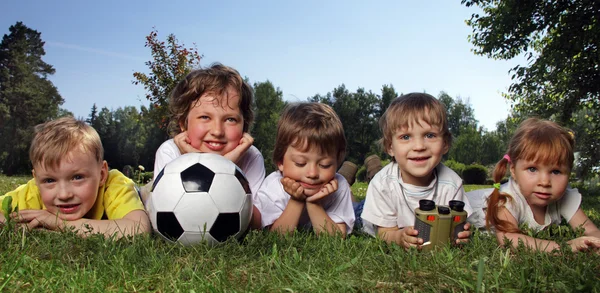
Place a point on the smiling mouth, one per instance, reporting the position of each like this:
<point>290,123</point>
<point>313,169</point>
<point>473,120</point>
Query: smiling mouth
<point>67,208</point>
<point>419,159</point>
<point>310,186</point>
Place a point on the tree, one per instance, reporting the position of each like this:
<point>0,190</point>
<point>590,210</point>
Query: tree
<point>560,42</point>
<point>170,63</point>
<point>268,106</point>
<point>358,113</point>
<point>27,97</point>
<point>460,114</point>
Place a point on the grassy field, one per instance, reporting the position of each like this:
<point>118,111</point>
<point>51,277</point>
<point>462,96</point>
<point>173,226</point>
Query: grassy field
<point>47,261</point>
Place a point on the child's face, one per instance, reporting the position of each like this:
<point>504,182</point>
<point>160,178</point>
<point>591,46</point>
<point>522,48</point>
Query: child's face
<point>540,184</point>
<point>309,168</point>
<point>70,189</point>
<point>418,149</point>
<point>213,126</point>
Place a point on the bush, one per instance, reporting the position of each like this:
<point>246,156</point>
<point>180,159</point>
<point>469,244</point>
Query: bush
<point>475,174</point>
<point>455,166</point>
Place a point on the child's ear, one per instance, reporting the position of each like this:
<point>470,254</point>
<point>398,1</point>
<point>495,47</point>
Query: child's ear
<point>33,173</point>
<point>280,166</point>
<point>512,170</point>
<point>446,147</point>
<point>103,173</point>
<point>182,125</point>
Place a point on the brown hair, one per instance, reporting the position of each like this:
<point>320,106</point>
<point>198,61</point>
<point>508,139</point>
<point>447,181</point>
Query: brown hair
<point>54,140</point>
<point>313,125</point>
<point>410,108</point>
<point>535,140</point>
<point>215,79</point>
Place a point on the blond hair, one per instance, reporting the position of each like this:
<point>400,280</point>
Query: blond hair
<point>537,140</point>
<point>55,139</point>
<point>215,79</point>
<point>310,126</point>
<point>407,109</point>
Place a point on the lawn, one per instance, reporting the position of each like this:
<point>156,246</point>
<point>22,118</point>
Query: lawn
<point>263,262</point>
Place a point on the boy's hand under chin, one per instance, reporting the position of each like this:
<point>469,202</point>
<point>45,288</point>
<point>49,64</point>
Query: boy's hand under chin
<point>293,188</point>
<point>183,144</point>
<point>296,191</point>
<point>326,190</point>
<point>38,219</point>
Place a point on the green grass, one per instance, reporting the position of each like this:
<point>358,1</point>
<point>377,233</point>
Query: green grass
<point>47,261</point>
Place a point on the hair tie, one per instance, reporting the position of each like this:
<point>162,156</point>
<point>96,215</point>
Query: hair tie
<point>497,185</point>
<point>506,157</point>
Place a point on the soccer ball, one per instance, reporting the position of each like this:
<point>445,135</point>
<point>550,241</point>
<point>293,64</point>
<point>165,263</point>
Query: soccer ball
<point>200,197</point>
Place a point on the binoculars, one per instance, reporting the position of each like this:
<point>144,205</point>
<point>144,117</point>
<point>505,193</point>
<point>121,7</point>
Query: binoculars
<point>438,225</point>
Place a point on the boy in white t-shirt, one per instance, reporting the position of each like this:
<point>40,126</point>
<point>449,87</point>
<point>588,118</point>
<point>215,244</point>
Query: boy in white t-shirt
<point>305,191</point>
<point>416,136</point>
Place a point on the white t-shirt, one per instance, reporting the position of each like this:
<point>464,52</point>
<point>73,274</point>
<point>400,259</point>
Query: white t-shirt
<point>518,207</point>
<point>272,200</point>
<point>391,203</point>
<point>251,163</point>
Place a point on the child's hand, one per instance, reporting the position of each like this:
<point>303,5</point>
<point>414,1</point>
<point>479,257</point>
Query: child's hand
<point>464,236</point>
<point>183,143</point>
<point>38,219</point>
<point>408,238</point>
<point>326,190</point>
<point>293,188</point>
<point>584,243</point>
<point>245,143</point>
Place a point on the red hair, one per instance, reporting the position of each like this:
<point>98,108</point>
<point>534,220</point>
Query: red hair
<point>537,140</point>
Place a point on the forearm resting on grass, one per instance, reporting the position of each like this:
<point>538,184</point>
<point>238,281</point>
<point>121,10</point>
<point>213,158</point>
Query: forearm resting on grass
<point>288,220</point>
<point>321,222</point>
<point>135,222</point>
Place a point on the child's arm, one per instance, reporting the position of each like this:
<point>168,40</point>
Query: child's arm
<point>255,222</point>
<point>288,220</point>
<point>319,219</point>
<point>579,219</point>
<point>135,222</point>
<point>406,237</point>
<point>577,244</point>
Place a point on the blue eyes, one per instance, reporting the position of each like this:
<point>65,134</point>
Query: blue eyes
<point>407,137</point>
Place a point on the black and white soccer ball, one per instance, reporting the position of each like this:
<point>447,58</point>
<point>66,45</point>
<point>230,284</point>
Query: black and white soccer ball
<point>200,197</point>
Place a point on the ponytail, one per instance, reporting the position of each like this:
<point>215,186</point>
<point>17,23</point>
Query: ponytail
<point>498,199</point>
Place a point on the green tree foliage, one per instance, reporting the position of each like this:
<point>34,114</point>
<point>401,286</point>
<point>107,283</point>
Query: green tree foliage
<point>560,42</point>
<point>460,114</point>
<point>27,97</point>
<point>170,63</point>
<point>269,103</point>
<point>125,136</point>
<point>358,113</point>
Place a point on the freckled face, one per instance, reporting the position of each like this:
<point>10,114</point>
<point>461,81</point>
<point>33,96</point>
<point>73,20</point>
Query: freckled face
<point>215,123</point>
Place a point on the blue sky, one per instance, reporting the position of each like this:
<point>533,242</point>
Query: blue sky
<point>303,47</point>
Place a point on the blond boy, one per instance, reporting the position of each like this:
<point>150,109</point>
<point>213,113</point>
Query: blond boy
<point>72,187</point>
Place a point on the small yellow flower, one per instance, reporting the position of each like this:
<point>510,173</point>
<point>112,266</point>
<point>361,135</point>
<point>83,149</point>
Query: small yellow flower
<point>141,167</point>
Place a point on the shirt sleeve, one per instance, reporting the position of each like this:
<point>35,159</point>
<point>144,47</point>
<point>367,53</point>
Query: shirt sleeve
<point>25,197</point>
<point>120,196</point>
<point>270,200</point>
<point>166,153</point>
<point>340,209</point>
<point>254,170</point>
<point>380,208</point>
<point>570,203</point>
